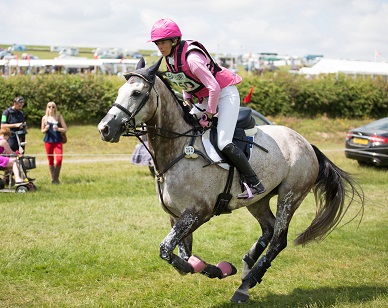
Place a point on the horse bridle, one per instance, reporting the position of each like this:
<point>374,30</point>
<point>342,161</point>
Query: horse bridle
<point>130,124</point>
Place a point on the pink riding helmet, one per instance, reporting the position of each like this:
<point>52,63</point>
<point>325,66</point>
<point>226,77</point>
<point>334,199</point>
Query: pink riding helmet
<point>164,29</point>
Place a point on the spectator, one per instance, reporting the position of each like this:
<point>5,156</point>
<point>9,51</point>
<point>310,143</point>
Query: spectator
<point>13,118</point>
<point>8,162</point>
<point>53,125</point>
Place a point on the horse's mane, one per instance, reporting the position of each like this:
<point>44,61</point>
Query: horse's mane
<point>187,116</point>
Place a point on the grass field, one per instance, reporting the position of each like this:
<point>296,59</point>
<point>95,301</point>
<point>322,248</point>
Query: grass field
<point>93,241</point>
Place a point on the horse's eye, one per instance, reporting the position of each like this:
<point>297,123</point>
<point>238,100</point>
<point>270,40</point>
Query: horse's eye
<point>136,93</point>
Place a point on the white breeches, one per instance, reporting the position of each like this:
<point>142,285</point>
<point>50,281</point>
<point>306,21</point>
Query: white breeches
<point>227,108</point>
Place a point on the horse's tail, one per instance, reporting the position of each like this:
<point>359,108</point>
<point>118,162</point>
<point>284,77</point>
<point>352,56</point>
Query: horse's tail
<point>331,188</point>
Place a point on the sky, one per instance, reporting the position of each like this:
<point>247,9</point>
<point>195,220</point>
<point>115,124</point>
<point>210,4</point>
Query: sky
<point>339,29</point>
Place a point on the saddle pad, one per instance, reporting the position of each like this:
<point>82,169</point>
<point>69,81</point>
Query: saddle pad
<point>211,151</point>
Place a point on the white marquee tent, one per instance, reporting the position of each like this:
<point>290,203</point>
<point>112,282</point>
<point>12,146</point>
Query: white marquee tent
<point>332,66</point>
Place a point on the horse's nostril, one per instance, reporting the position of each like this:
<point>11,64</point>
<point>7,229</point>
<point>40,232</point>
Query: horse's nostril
<point>105,130</point>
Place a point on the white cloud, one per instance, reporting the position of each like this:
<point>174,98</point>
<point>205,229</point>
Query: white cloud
<point>334,28</point>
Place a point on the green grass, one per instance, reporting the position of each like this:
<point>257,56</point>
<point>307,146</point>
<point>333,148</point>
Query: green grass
<point>93,241</point>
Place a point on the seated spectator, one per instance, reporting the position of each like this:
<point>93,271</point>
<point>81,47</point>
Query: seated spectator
<point>9,162</point>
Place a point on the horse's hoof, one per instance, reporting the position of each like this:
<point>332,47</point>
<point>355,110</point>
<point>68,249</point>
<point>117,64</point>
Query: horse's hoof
<point>227,269</point>
<point>240,296</point>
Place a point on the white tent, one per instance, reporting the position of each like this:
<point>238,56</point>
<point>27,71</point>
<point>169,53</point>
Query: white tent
<point>333,66</point>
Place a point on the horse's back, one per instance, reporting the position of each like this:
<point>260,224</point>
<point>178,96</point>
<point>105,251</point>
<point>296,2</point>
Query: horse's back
<point>290,156</point>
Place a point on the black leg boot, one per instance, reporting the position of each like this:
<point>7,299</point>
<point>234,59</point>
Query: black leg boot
<point>239,160</point>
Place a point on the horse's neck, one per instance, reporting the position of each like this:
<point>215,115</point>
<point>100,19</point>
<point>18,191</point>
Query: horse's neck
<point>168,118</point>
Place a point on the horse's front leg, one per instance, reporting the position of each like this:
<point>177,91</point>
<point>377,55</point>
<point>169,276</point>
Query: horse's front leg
<point>185,246</point>
<point>182,228</point>
<point>181,235</point>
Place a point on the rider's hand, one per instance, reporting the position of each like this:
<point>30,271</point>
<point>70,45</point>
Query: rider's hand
<point>206,120</point>
<point>188,102</point>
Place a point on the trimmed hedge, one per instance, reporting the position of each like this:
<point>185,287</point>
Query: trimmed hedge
<point>86,99</point>
<point>330,95</point>
<point>80,99</point>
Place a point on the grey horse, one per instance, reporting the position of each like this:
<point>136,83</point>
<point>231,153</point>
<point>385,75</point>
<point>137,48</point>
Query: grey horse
<point>291,167</point>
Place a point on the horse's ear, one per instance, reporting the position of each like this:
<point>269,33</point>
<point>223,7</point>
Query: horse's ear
<point>152,70</point>
<point>140,64</point>
<point>149,73</point>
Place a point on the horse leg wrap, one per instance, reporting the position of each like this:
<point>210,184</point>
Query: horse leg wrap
<point>257,272</point>
<point>197,264</point>
<point>222,270</point>
<point>181,265</point>
<point>249,261</point>
<point>212,271</point>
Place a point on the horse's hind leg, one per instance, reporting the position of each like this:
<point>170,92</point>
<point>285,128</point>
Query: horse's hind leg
<point>286,207</point>
<point>262,212</point>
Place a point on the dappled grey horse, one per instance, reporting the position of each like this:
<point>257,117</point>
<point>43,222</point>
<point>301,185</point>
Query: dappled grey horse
<point>188,191</point>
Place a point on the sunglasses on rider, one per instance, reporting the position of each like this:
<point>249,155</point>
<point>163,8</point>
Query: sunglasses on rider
<point>51,107</point>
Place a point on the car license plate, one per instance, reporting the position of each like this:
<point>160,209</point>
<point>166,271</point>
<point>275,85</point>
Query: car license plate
<point>360,141</point>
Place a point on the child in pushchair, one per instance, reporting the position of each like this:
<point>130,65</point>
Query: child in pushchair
<point>15,166</point>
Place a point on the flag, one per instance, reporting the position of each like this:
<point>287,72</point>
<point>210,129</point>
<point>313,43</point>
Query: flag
<point>378,53</point>
<point>247,98</point>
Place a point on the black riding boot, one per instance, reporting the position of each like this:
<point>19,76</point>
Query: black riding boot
<point>239,160</point>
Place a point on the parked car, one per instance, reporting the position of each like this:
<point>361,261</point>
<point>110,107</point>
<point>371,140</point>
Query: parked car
<point>369,144</point>
<point>260,119</point>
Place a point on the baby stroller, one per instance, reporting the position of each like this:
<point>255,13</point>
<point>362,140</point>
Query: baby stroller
<point>7,183</point>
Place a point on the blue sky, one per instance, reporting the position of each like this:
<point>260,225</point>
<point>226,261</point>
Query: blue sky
<point>347,29</point>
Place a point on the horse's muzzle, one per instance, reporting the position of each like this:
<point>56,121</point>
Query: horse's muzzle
<point>110,130</point>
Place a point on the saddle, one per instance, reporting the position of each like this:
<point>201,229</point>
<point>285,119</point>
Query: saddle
<point>246,125</point>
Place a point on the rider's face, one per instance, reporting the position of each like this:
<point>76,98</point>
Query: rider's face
<point>164,46</point>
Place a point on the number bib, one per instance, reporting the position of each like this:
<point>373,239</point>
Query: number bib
<point>185,83</point>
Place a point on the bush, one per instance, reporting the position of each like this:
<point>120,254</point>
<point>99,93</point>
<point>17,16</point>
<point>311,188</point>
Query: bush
<point>80,99</point>
<point>86,99</point>
<point>329,95</point>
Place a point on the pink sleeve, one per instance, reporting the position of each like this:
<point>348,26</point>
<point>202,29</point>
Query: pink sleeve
<point>197,64</point>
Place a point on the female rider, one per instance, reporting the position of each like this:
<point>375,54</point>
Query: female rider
<point>191,67</point>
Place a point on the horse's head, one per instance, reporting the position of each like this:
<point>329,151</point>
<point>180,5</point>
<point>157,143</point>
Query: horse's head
<point>130,108</point>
